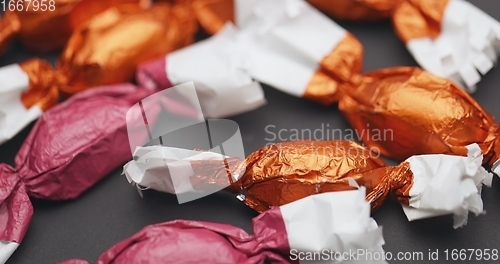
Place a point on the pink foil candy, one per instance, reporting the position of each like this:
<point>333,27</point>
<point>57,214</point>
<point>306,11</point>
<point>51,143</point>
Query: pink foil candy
<point>70,148</point>
<point>338,222</point>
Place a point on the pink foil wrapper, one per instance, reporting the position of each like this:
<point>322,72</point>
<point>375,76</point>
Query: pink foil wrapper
<point>70,148</point>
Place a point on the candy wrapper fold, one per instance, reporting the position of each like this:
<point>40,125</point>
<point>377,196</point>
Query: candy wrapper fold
<point>460,179</point>
<point>71,147</point>
<point>26,90</point>
<point>216,67</point>
<point>338,222</point>
<point>285,172</point>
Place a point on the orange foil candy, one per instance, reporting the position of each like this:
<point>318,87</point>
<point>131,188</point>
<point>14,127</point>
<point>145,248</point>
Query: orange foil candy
<point>107,49</point>
<point>425,113</point>
<point>47,26</point>
<point>281,173</point>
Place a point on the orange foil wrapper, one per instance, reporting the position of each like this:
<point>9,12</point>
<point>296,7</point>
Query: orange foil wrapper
<point>45,28</point>
<point>9,26</point>
<point>109,47</point>
<point>213,14</point>
<point>424,113</point>
<point>43,84</point>
<point>417,19</point>
<point>28,89</point>
<point>281,173</point>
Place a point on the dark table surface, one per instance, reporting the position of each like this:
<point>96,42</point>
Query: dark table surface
<point>112,210</point>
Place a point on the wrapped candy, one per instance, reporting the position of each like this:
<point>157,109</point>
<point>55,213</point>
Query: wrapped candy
<point>26,91</point>
<point>335,224</point>
<point>452,39</point>
<point>449,38</point>
<point>294,48</point>
<point>46,26</point>
<point>73,146</point>
<point>109,47</point>
<point>425,114</point>
<point>336,53</point>
<point>223,90</point>
<point>427,185</point>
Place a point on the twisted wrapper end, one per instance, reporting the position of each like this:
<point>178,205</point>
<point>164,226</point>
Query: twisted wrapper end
<point>445,184</point>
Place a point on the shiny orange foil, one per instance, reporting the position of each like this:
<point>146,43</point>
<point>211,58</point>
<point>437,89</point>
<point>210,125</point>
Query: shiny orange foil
<point>419,18</point>
<point>109,47</point>
<point>44,84</point>
<point>86,9</point>
<point>9,26</point>
<point>335,70</point>
<point>359,10</point>
<point>213,14</point>
<point>406,111</point>
<point>43,31</point>
<point>285,172</point>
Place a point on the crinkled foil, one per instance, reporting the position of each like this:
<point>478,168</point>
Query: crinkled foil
<point>9,26</point>
<point>213,14</point>
<point>48,29</point>
<point>109,47</point>
<point>44,83</point>
<point>419,18</point>
<point>415,112</point>
<point>335,71</point>
<point>43,31</point>
<point>285,172</point>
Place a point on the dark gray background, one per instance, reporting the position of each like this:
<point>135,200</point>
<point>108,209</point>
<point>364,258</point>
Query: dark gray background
<point>112,210</point>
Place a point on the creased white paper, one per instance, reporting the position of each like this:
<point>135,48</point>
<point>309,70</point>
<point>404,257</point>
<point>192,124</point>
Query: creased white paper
<point>285,40</point>
<point>168,169</point>
<point>445,184</point>
<point>466,48</point>
<point>13,114</point>
<point>215,66</point>
<point>344,218</point>
<point>496,168</point>
<point>6,250</point>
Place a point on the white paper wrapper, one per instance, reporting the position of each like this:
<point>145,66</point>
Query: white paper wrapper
<point>13,114</point>
<point>301,30</point>
<point>345,221</point>
<point>215,66</point>
<point>445,184</point>
<point>496,168</point>
<point>6,250</point>
<point>466,48</point>
<point>168,169</point>
<point>285,40</point>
